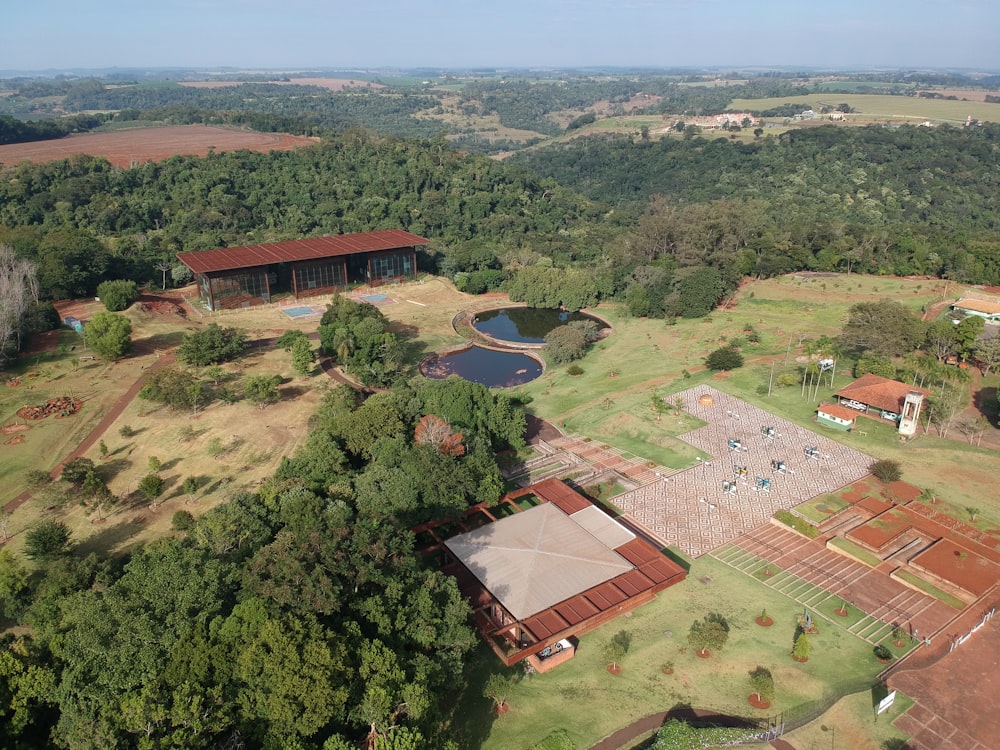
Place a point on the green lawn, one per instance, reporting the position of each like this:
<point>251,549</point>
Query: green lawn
<point>821,508</point>
<point>589,703</point>
<point>858,553</point>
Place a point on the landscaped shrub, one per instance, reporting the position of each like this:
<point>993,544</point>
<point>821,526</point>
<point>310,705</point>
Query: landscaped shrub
<point>117,295</point>
<point>574,370</point>
<point>724,358</point>
<point>887,470</point>
<point>182,521</point>
<point>799,524</point>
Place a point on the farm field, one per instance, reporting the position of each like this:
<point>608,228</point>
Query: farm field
<point>126,147</point>
<point>882,107</point>
<point>332,84</point>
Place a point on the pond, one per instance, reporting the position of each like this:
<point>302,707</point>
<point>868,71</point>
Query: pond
<point>488,367</point>
<point>525,325</point>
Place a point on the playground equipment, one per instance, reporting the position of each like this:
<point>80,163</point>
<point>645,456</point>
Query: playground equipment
<point>812,452</point>
<point>736,445</point>
<point>732,414</point>
<point>728,488</point>
<point>779,467</point>
<point>769,433</point>
<point>740,472</point>
<point>763,485</point>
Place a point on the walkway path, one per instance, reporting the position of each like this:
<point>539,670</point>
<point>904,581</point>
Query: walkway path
<point>820,579</point>
<point>688,509</point>
<point>100,428</point>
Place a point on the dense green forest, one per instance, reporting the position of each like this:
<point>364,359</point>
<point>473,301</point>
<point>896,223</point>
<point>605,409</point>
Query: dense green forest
<point>300,616</point>
<point>296,617</point>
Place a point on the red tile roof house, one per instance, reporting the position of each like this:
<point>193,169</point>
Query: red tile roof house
<point>885,400</point>
<point>553,572</point>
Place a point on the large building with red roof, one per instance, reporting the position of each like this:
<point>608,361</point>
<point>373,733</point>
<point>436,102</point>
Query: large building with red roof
<point>232,277</point>
<point>885,399</point>
<point>553,571</point>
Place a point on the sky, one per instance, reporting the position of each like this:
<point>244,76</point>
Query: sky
<point>310,34</point>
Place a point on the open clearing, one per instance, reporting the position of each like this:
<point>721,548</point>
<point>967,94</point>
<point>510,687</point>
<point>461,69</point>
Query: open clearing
<point>126,147</point>
<point>881,106</point>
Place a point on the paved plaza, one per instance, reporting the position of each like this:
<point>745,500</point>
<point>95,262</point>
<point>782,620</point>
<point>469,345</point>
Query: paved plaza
<point>691,510</point>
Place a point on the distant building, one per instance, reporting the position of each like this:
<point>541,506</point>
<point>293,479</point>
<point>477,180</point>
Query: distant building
<point>982,307</point>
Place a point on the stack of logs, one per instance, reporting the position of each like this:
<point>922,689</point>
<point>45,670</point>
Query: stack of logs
<point>63,406</point>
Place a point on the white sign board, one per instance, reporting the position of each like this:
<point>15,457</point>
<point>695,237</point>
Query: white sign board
<point>886,703</point>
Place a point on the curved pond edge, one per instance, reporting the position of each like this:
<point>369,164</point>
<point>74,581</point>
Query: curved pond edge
<point>465,318</point>
<point>457,348</point>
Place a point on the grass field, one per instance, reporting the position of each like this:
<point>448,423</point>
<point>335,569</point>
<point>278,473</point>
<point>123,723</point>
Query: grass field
<point>610,402</point>
<point>882,107</point>
<point>584,699</point>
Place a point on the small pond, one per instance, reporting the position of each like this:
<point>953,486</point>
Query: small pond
<point>490,368</point>
<point>525,325</point>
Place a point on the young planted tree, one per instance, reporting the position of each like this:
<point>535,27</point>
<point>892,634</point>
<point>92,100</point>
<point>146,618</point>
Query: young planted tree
<point>303,356</point>
<point>498,689</point>
<point>708,634</point>
<point>800,646</point>
<point>762,684</point>
<point>899,635</point>
<point>262,390</point>
<point>614,651</point>
<point>151,486</point>
<point>154,464</point>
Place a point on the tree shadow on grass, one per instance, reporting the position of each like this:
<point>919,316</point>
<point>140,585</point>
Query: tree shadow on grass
<point>110,537</point>
<point>985,400</point>
<point>472,713</point>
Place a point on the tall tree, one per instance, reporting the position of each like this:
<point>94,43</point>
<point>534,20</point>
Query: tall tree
<point>18,292</point>
<point>109,335</point>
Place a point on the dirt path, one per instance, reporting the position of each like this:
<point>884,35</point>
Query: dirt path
<point>100,428</point>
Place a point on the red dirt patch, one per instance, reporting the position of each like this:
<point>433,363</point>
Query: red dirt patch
<point>958,565</point>
<point>10,429</point>
<point>16,440</point>
<point>757,702</point>
<point>764,622</point>
<point>125,147</point>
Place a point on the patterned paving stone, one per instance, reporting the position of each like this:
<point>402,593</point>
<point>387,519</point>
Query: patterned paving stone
<point>690,510</point>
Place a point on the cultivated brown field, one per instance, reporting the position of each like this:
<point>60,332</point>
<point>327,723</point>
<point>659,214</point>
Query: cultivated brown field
<point>333,84</point>
<point>126,147</point>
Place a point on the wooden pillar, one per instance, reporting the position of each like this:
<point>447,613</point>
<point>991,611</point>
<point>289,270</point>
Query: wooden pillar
<point>267,284</point>
<point>345,284</point>
<point>413,259</point>
<point>211,293</point>
<point>295,280</point>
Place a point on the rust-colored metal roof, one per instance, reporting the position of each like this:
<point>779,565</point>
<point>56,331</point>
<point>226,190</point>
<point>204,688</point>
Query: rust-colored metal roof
<point>248,256</point>
<point>561,495</point>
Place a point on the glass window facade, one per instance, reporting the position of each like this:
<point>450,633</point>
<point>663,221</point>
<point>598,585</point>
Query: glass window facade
<point>391,266</point>
<point>318,277</point>
<point>241,289</point>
